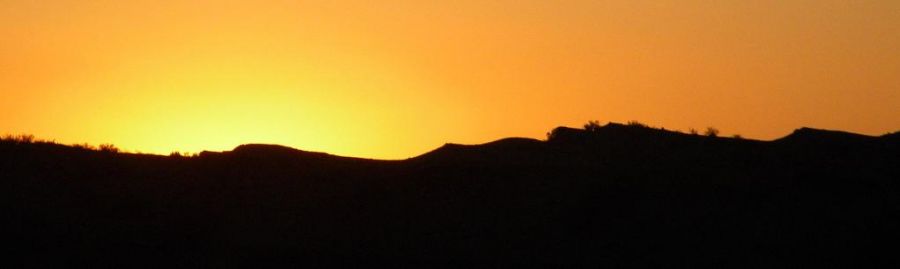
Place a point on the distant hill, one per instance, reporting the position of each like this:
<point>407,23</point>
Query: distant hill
<point>615,196</point>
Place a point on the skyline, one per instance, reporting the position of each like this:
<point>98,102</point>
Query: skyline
<point>395,80</point>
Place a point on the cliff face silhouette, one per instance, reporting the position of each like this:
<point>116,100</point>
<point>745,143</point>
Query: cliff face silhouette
<point>616,196</point>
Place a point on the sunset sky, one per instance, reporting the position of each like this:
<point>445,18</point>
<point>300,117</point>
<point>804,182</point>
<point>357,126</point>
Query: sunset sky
<point>394,79</point>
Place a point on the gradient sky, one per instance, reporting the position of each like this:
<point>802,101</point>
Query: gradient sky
<point>394,79</point>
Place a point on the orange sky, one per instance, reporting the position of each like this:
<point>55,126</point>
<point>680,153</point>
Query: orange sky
<point>393,79</point>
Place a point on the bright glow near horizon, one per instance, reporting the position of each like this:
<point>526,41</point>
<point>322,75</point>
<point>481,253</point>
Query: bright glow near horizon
<point>394,79</point>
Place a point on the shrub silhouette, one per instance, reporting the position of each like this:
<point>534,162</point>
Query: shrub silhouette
<point>592,126</point>
<point>85,146</point>
<point>635,123</point>
<point>108,148</point>
<point>711,132</point>
<point>26,138</point>
<point>22,138</point>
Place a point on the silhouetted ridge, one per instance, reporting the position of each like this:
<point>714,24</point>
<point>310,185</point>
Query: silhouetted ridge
<point>267,149</point>
<point>892,136</point>
<point>269,155</point>
<point>265,155</point>
<point>620,196</point>
<point>821,139</point>
<point>824,136</point>
<point>503,150</point>
<point>623,141</point>
<point>506,144</point>
<point>563,133</point>
<point>565,144</point>
<point>612,132</point>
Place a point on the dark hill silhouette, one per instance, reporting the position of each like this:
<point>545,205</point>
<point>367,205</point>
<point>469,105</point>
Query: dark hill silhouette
<point>265,149</point>
<point>615,196</point>
<point>810,136</point>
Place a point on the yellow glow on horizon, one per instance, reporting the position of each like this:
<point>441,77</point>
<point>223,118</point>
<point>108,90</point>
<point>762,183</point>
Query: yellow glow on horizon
<point>394,79</point>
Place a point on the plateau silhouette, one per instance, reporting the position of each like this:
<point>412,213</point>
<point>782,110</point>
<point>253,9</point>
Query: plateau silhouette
<point>614,195</point>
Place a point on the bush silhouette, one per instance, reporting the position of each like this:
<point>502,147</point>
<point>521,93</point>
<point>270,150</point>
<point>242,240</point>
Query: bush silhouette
<point>592,126</point>
<point>26,138</point>
<point>85,146</point>
<point>108,148</point>
<point>22,138</point>
<point>635,123</point>
<point>711,132</point>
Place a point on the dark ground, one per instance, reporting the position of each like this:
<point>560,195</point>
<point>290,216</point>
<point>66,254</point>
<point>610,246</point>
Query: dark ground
<point>620,196</point>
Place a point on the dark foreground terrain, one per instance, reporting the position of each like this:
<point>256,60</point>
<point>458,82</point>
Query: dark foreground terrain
<point>618,196</point>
